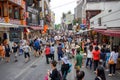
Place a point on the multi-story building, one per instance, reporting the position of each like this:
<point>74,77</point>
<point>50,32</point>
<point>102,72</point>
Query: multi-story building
<point>107,24</point>
<point>52,19</point>
<point>67,21</point>
<point>12,16</point>
<point>38,15</point>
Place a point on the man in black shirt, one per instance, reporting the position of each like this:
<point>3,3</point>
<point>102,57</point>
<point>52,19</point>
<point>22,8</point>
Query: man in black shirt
<point>15,50</point>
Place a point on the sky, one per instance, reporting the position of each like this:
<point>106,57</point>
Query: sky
<point>60,6</point>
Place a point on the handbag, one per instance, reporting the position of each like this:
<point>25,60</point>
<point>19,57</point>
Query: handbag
<point>111,61</point>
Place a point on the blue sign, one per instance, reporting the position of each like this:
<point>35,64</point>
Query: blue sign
<point>82,26</point>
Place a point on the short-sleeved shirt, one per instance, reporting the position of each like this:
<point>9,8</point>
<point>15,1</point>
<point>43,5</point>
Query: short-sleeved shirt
<point>78,59</point>
<point>96,55</point>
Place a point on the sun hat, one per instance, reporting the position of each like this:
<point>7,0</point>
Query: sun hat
<point>65,60</point>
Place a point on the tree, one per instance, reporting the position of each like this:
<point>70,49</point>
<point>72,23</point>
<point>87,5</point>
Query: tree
<point>63,15</point>
<point>69,12</point>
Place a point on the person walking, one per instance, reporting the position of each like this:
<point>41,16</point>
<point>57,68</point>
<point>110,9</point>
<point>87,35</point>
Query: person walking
<point>7,53</point>
<point>80,75</point>
<point>52,51</point>
<point>65,67</point>
<point>73,48</point>
<point>96,57</point>
<point>36,47</point>
<point>78,60</point>
<point>15,51</point>
<point>100,73</point>
<point>107,58</point>
<point>89,56</point>
<point>103,56</point>
<point>27,51</point>
<point>59,51</point>
<point>54,74</point>
<point>112,66</point>
<point>47,53</point>
<point>2,51</point>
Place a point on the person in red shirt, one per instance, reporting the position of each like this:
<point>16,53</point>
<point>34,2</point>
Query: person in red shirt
<point>47,53</point>
<point>96,57</point>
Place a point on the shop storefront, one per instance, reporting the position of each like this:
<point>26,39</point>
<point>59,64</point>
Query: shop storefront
<point>112,37</point>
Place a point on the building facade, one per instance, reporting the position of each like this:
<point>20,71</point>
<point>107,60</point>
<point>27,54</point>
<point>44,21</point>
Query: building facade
<point>12,16</point>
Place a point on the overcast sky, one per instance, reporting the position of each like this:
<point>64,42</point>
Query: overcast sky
<point>60,6</point>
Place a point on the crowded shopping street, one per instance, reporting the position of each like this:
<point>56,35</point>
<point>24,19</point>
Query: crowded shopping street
<point>59,40</point>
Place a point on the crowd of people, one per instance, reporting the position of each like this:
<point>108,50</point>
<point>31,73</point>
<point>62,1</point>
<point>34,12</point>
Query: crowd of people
<point>84,51</point>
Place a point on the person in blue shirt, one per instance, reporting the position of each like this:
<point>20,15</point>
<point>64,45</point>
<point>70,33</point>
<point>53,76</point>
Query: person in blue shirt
<point>36,47</point>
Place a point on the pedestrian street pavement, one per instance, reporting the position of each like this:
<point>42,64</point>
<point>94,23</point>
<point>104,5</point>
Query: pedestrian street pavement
<point>36,69</point>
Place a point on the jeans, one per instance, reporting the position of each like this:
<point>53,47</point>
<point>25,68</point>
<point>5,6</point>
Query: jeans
<point>96,64</point>
<point>89,60</point>
<point>112,68</point>
<point>47,59</point>
<point>52,56</point>
<point>60,56</point>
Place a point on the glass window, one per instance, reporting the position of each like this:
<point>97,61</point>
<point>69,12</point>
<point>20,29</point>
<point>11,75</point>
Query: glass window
<point>10,12</point>
<point>0,11</point>
<point>16,13</point>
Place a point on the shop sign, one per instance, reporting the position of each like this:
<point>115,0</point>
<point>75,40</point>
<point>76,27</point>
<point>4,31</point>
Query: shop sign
<point>2,20</point>
<point>13,21</point>
<point>32,10</point>
<point>18,2</point>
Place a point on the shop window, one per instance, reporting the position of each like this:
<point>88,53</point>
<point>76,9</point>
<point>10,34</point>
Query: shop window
<point>5,9</point>
<point>99,21</point>
<point>0,11</point>
<point>30,18</point>
<point>10,12</point>
<point>16,13</point>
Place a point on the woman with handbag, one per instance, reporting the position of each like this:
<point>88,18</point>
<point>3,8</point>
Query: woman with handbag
<point>112,62</point>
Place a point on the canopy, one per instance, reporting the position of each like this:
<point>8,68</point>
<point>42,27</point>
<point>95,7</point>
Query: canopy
<point>8,25</point>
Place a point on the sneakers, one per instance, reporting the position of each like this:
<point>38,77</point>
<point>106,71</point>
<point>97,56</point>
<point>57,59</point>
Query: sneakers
<point>109,75</point>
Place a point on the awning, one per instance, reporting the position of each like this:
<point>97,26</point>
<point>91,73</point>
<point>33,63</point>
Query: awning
<point>113,33</point>
<point>100,30</point>
<point>36,28</point>
<point>8,25</point>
